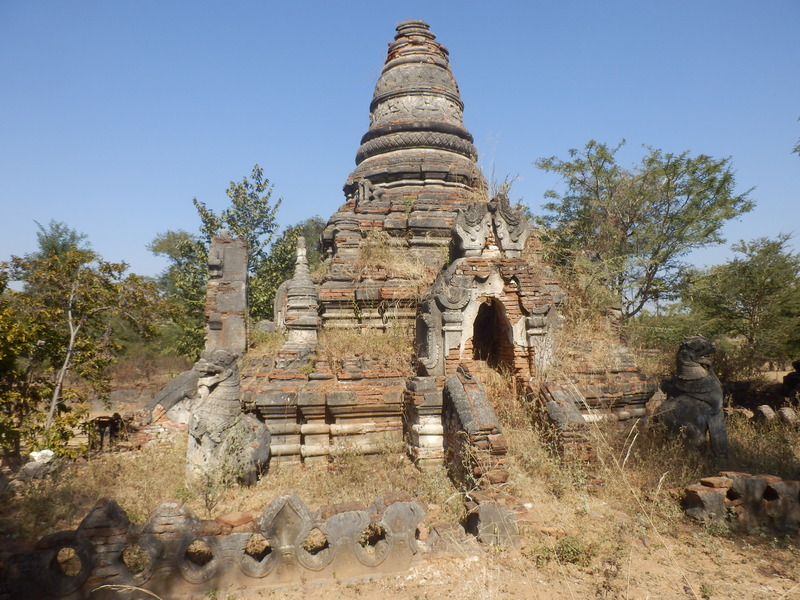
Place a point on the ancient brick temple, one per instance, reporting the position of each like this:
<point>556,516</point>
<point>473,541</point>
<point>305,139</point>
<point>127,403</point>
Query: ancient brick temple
<point>419,246</point>
<point>416,167</point>
<point>420,253</point>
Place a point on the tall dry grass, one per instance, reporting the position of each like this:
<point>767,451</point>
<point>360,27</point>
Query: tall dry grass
<point>385,256</point>
<point>140,481</point>
<point>394,347</point>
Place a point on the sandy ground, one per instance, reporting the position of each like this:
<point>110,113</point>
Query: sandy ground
<point>697,566</point>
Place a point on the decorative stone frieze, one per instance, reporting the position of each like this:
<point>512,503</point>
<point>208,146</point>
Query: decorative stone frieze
<point>175,554</point>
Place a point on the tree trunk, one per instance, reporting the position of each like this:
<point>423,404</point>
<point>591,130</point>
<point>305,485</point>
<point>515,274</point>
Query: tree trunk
<point>62,372</point>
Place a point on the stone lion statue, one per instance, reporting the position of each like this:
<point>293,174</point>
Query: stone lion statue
<point>693,407</point>
<point>223,442</point>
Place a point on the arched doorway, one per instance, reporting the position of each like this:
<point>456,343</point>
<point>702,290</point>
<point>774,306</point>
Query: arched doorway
<point>491,335</point>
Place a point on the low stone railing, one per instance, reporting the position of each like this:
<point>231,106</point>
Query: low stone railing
<point>175,554</point>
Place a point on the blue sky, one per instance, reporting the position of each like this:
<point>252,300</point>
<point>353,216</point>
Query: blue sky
<point>115,114</point>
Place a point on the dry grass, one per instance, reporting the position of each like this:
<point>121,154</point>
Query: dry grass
<point>534,465</point>
<point>385,256</point>
<point>140,481</point>
<point>394,347</point>
<point>349,477</point>
<point>264,344</point>
<point>583,540</point>
<point>141,367</point>
<point>584,337</point>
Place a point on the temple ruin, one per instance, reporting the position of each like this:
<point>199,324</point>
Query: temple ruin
<point>420,247</point>
<point>419,252</point>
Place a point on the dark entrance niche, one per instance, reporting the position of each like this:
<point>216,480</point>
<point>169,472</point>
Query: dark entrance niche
<point>491,335</point>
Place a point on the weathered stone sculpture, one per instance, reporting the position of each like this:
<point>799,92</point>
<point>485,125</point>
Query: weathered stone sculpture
<point>183,387</point>
<point>693,406</point>
<point>223,442</point>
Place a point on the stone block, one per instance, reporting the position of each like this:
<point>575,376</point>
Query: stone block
<point>717,482</point>
<point>704,503</point>
<point>307,398</point>
<point>341,398</point>
<point>492,523</point>
<point>234,519</point>
<point>276,398</point>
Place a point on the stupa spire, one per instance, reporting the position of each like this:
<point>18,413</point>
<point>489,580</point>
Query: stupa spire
<point>416,132</point>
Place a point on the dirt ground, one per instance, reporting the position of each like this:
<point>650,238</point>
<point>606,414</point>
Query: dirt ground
<point>692,563</point>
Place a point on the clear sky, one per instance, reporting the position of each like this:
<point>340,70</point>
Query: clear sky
<point>115,114</point>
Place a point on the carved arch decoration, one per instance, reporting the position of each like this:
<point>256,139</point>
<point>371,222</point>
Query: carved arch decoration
<point>380,538</point>
<point>285,524</point>
<point>471,229</point>
<point>455,293</point>
<point>511,227</point>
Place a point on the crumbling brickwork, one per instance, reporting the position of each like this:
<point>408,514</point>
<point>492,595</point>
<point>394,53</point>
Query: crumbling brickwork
<point>226,295</point>
<point>474,444</point>
<point>745,500</point>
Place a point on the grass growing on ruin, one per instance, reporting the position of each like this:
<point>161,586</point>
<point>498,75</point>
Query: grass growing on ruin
<point>394,347</point>
<point>383,256</point>
<point>641,469</point>
<point>263,343</point>
<point>599,521</point>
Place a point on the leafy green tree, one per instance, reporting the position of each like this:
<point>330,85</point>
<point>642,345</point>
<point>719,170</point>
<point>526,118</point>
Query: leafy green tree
<point>753,298</point>
<point>172,245</point>
<point>58,238</point>
<point>252,217</point>
<point>629,230</point>
<point>21,391</point>
<point>183,284</point>
<point>61,322</point>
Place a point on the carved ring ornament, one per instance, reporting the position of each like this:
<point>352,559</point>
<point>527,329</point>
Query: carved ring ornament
<point>416,139</point>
